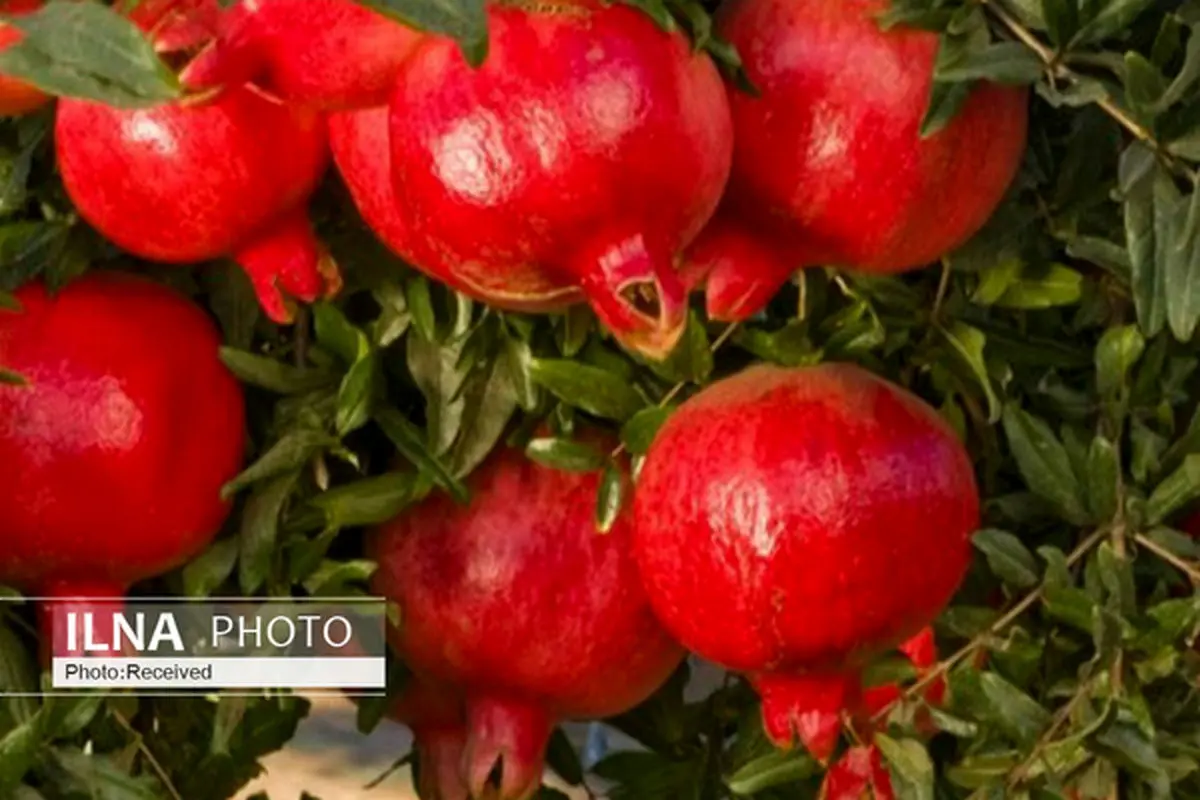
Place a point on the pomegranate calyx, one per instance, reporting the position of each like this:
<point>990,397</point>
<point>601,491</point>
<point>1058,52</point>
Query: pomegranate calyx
<point>506,740</point>
<point>286,261</point>
<point>440,762</point>
<point>741,272</point>
<point>632,286</point>
<point>807,708</point>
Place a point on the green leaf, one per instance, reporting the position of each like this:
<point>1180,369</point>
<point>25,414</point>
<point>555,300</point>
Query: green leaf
<point>489,401</point>
<point>946,99</point>
<point>357,394</point>
<point>371,501</point>
<point>1181,265</point>
<point>1062,20</point>
<point>638,433</point>
<point>88,50</point>
<point>691,361</point>
<point>100,778</point>
<point>1144,84</point>
<point>10,378</point>
<point>69,715</point>
<point>273,375</point>
<point>1115,16</point>
<point>211,568</point>
<point>260,529</point>
<point>1103,479</point>
<point>410,441</point>
<point>464,21</point>
<point>776,768</point>
<point>565,454</point>
<point>1018,714</point>
<point>332,578</point>
<point>1119,350</point>
<point>591,389</point>
<point>1177,490</point>
<point>336,334</point>
<point>1010,560</point>
<point>18,753</point>
<point>1044,463</point>
<point>912,769</point>
<point>1151,204</point>
<point>1002,62</point>
<point>1059,285</point>
<point>18,676</point>
<point>968,343</point>
<point>293,450</point>
<point>610,498</point>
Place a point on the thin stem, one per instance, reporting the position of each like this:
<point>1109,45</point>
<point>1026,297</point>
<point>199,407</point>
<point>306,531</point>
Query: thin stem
<point>150,759</point>
<point>1060,718</point>
<point>967,650</point>
<point>1166,555</point>
<point>943,287</point>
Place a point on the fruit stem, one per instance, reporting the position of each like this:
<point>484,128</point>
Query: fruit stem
<point>632,286</point>
<point>807,708</point>
<point>286,261</point>
<point>61,597</point>
<point>506,746</point>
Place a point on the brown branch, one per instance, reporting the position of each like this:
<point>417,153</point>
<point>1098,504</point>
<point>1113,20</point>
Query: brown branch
<point>146,754</point>
<point>1166,555</point>
<point>976,643</point>
<point>1046,739</point>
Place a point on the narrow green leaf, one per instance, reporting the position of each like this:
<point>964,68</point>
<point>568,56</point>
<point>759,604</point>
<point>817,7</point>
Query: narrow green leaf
<point>638,433</point>
<point>1103,478</point>
<point>591,389</point>
<point>99,776</point>
<point>1062,20</point>
<point>946,99</point>
<point>464,21</point>
<point>1059,285</point>
<point>336,334</point>
<point>371,501</point>
<point>273,375</point>
<point>489,401</point>
<point>420,305</point>
<point>610,498</point>
<point>1008,558</point>
<point>410,441</point>
<point>911,767</point>
<point>1118,351</point>
<point>1044,463</point>
<point>1149,207</point>
<point>776,768</point>
<point>211,568</point>
<point>260,529</point>
<point>1018,714</point>
<point>1002,62</point>
<point>968,343</point>
<point>1177,490</point>
<point>357,394</point>
<point>290,452</point>
<point>565,454</point>
<point>18,753</point>
<point>1181,265</point>
<point>1114,17</point>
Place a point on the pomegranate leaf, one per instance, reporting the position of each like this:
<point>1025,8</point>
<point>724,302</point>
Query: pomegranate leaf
<point>465,21</point>
<point>591,389</point>
<point>565,454</point>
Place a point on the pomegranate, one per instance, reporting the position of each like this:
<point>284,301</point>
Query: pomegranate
<point>328,54</point>
<point>858,775</point>
<point>17,96</point>
<point>177,25</point>
<point>792,523</point>
<point>829,165</point>
<point>115,451</point>
<point>517,602</point>
<point>584,153</point>
<point>185,182</point>
<point>435,715</point>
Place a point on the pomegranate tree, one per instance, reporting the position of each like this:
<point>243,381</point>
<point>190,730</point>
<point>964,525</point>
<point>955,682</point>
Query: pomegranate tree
<point>793,522</point>
<point>830,166</point>
<point>516,601</point>
<point>586,151</point>
<point>118,442</point>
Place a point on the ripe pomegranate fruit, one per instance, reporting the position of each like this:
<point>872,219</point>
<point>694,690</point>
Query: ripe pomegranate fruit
<point>17,96</point>
<point>435,715</point>
<point>516,601</point>
<point>115,451</point>
<point>829,166</point>
<point>177,25</point>
<point>328,54</point>
<point>585,152</point>
<point>185,182</point>
<point>858,775</point>
<point>792,523</point>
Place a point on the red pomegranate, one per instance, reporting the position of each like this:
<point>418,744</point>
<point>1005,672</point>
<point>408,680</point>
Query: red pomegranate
<point>115,451</point>
<point>829,166</point>
<point>858,775</point>
<point>793,523</point>
<point>177,25</point>
<point>435,715</point>
<point>585,152</point>
<point>521,605</point>
<point>328,54</point>
<point>17,96</point>
<point>185,182</point>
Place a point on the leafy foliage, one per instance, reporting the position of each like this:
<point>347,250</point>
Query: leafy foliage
<point>1060,343</point>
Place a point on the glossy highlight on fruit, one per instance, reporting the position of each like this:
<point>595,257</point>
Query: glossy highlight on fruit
<point>16,96</point>
<point>587,150</point>
<point>829,166</point>
<point>189,181</point>
<point>517,602</point>
<point>793,523</point>
<point>116,448</point>
<point>325,54</point>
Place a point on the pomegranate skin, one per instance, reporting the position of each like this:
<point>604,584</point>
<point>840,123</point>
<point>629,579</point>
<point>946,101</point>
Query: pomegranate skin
<point>326,54</point>
<point>359,140</point>
<point>436,717</point>
<point>183,182</point>
<point>591,146</point>
<point>792,523</point>
<point>116,450</point>
<point>829,166</point>
<point>517,602</point>
<point>16,96</point>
